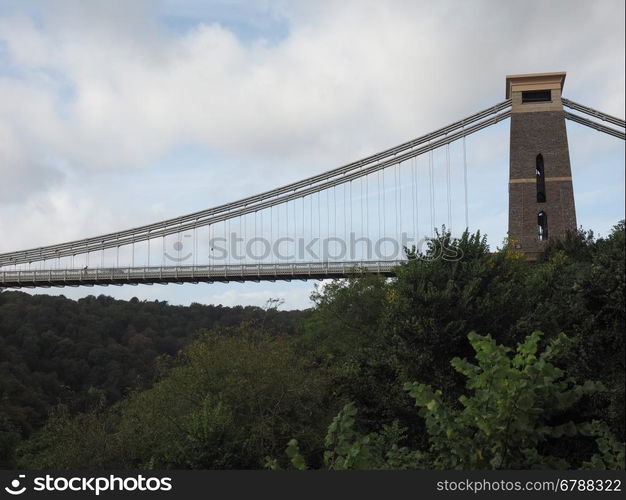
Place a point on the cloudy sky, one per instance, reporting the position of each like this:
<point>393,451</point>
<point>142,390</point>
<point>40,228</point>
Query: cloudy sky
<point>117,113</point>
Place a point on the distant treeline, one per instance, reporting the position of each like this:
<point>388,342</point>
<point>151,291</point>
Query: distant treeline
<point>93,351</point>
<point>436,368</point>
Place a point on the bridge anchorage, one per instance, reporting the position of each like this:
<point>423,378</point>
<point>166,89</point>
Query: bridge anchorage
<point>356,216</point>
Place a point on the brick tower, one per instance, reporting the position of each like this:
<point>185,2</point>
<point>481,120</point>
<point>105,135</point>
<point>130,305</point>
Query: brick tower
<point>541,197</point>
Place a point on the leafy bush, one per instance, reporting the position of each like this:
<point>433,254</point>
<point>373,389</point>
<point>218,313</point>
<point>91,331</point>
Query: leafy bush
<point>508,413</point>
<point>505,419</point>
<point>235,395</point>
<point>348,449</point>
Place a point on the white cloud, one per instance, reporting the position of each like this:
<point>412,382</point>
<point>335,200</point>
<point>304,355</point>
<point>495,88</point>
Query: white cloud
<point>294,298</point>
<point>92,91</point>
<point>346,79</point>
<point>60,215</point>
<point>294,295</point>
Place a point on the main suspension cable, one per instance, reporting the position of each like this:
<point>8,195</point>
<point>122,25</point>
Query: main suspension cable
<point>81,246</point>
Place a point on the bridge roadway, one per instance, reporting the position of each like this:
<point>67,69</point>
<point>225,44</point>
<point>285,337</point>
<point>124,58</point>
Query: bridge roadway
<point>192,274</point>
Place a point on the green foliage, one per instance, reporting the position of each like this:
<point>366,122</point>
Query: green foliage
<point>139,387</point>
<point>295,457</point>
<point>507,415</point>
<point>348,449</point>
<point>234,396</point>
<point>345,336</point>
<point>503,423</point>
<point>68,442</point>
<point>9,438</point>
<point>578,244</point>
<point>435,302</point>
<point>346,315</point>
<point>443,246</point>
<point>578,287</point>
<point>55,350</point>
<point>611,453</point>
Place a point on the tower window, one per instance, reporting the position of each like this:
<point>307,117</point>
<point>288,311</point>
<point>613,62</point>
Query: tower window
<point>541,179</point>
<point>542,225</point>
<point>536,96</point>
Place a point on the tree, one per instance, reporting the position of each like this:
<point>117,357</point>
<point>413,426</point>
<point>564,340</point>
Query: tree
<point>435,302</point>
<point>505,418</point>
<point>347,449</point>
<point>509,411</point>
<point>234,396</point>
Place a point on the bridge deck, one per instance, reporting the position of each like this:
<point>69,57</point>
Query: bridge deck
<point>191,274</point>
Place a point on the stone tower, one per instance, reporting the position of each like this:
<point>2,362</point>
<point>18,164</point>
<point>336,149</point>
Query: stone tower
<point>541,196</point>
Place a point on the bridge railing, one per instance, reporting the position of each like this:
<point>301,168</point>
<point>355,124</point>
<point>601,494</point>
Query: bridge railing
<point>144,274</point>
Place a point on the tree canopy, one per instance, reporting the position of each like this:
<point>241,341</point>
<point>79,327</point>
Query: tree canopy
<point>100,383</point>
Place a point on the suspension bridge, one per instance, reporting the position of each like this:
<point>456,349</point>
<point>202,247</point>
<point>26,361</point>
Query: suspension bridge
<point>360,216</point>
